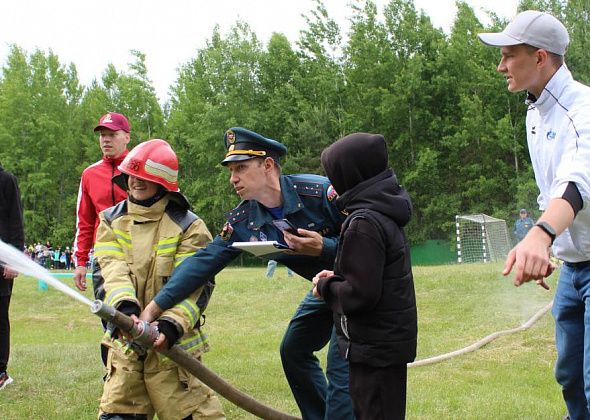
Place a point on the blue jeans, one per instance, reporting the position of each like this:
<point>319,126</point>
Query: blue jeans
<point>318,396</point>
<point>571,310</point>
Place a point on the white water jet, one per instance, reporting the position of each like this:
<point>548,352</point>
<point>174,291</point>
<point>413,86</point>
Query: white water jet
<point>20,262</point>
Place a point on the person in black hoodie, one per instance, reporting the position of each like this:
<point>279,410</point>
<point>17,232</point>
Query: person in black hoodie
<point>11,232</point>
<point>371,290</point>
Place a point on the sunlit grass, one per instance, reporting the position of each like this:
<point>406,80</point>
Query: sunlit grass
<point>58,374</point>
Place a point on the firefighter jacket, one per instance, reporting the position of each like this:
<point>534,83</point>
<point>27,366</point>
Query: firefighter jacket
<point>97,192</point>
<point>308,203</point>
<point>137,249</point>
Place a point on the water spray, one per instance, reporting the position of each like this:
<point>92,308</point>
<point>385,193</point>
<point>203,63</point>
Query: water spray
<point>144,334</point>
<point>18,261</point>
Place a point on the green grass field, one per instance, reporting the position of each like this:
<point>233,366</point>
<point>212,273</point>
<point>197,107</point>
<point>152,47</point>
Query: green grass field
<point>57,370</point>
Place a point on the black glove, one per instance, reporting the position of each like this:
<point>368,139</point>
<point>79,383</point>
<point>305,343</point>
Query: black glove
<point>170,331</point>
<point>129,308</point>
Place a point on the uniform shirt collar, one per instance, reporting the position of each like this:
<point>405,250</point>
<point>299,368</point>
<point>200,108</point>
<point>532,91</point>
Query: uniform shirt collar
<point>259,215</point>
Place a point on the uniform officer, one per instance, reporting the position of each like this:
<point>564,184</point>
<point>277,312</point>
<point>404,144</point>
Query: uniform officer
<point>307,201</point>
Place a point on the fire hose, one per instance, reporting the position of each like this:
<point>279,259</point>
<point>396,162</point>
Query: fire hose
<point>144,334</point>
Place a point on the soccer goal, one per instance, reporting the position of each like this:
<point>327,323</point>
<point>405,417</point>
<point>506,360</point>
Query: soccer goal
<point>481,238</point>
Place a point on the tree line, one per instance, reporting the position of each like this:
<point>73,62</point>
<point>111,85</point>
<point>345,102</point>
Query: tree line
<point>456,137</point>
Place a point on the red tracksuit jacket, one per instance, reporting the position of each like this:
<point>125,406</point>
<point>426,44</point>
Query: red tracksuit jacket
<point>97,192</point>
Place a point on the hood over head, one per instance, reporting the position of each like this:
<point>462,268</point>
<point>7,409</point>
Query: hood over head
<point>357,166</point>
<point>353,159</point>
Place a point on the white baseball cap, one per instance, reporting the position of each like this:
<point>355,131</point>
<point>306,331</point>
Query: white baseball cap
<point>534,28</point>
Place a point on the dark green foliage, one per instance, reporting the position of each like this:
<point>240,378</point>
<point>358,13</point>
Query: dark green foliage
<point>456,136</point>
<point>46,136</point>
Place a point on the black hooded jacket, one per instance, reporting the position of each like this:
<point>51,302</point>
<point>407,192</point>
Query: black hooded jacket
<point>372,290</point>
<point>11,211</point>
<point>11,221</point>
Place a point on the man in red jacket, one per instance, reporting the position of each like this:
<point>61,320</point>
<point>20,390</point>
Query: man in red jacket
<point>97,190</point>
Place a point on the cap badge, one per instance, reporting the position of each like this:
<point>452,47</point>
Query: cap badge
<point>231,148</point>
<point>133,164</point>
<point>231,137</point>
<point>107,119</point>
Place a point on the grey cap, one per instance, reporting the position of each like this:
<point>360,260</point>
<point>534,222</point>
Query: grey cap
<point>534,28</point>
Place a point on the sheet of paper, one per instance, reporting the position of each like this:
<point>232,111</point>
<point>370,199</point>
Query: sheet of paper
<point>259,248</point>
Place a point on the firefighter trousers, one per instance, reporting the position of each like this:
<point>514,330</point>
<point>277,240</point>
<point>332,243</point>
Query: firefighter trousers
<point>152,384</point>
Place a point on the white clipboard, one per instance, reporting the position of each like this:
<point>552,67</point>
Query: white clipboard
<point>260,248</point>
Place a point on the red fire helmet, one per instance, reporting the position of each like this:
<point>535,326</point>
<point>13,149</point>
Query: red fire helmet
<point>155,161</point>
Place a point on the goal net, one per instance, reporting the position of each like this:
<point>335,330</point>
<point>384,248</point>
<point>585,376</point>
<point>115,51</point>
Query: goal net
<point>481,238</point>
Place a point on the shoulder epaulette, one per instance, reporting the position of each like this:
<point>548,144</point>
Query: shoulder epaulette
<point>182,217</point>
<point>239,213</point>
<point>116,211</point>
<point>313,189</point>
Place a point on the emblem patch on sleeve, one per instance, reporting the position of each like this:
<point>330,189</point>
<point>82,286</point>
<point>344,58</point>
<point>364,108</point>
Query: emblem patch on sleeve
<point>331,193</point>
<point>226,231</point>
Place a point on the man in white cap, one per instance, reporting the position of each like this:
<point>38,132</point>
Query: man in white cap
<point>533,46</point>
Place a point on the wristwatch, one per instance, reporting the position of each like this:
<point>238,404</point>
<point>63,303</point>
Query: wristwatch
<point>548,230</point>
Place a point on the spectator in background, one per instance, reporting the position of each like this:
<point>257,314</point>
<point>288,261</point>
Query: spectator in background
<point>98,192</point>
<point>90,262</point>
<point>522,225</point>
<point>48,255</point>
<point>56,256</point>
<point>38,253</point>
<point>42,255</point>
<point>271,268</point>
<point>68,255</point>
<point>62,260</point>
<point>11,232</point>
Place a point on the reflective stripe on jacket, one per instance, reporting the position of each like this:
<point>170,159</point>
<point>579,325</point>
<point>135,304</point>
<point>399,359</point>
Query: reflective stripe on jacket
<point>137,252</point>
